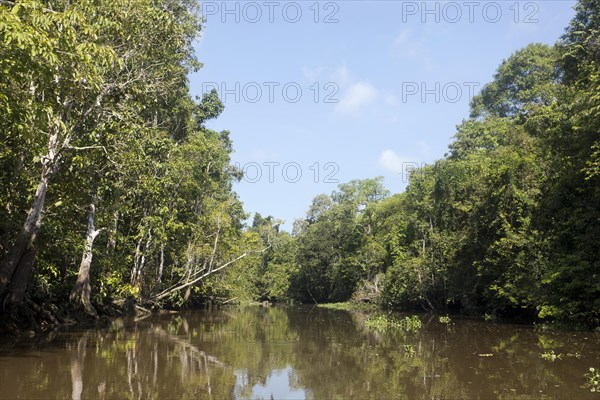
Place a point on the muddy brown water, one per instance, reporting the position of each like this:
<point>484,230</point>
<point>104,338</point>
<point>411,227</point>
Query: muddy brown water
<point>299,352</point>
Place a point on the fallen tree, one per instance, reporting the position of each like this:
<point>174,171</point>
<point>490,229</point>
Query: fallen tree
<point>200,275</point>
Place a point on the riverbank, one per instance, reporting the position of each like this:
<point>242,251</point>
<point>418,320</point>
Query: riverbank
<point>301,351</point>
<point>31,318</point>
<point>526,321</point>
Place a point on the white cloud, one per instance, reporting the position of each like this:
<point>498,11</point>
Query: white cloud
<point>403,37</point>
<point>353,94</point>
<point>406,44</point>
<point>389,160</point>
<point>341,75</point>
<point>410,48</point>
<point>357,96</point>
<point>399,165</point>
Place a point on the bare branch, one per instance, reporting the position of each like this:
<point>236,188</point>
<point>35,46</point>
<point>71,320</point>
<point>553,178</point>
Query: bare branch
<point>87,148</point>
<point>168,292</point>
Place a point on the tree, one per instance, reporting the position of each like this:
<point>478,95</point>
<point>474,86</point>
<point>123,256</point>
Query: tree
<point>527,79</point>
<point>334,249</point>
<point>97,94</point>
<point>60,75</point>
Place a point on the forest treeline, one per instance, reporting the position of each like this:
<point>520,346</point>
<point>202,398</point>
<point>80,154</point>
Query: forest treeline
<point>113,188</point>
<point>507,223</point>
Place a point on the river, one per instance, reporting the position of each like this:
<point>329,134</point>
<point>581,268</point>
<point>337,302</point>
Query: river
<point>299,352</point>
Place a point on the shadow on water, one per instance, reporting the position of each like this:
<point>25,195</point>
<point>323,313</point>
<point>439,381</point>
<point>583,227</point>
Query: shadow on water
<point>299,353</point>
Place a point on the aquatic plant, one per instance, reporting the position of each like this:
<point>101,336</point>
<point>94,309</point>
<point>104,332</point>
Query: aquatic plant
<point>409,350</point>
<point>336,306</point>
<point>347,306</point>
<point>383,323</point>
<point>551,356</point>
<point>593,380</point>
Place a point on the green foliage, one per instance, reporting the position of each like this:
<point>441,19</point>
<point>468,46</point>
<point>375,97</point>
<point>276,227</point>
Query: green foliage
<point>409,350</point>
<point>551,356</point>
<point>337,248</point>
<point>347,306</point>
<point>337,306</point>
<point>525,81</point>
<point>593,380</point>
<point>97,94</point>
<point>384,323</point>
<point>271,274</point>
<point>506,224</point>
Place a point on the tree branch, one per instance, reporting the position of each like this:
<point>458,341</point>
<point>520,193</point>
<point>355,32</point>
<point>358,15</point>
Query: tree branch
<point>168,292</point>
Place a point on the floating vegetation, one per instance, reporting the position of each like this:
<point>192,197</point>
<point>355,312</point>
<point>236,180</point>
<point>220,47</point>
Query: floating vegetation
<point>347,306</point>
<point>551,356</point>
<point>593,380</point>
<point>445,319</point>
<point>383,323</point>
<point>337,306</point>
<point>409,350</point>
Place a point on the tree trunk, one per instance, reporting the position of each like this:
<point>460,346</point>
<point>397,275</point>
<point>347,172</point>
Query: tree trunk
<point>112,237</point>
<point>21,278</point>
<point>8,268</point>
<point>12,262</point>
<point>140,261</point>
<point>161,265</point>
<point>80,295</point>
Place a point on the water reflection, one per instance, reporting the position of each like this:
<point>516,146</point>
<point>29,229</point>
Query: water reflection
<point>280,384</point>
<point>77,356</point>
<point>298,353</point>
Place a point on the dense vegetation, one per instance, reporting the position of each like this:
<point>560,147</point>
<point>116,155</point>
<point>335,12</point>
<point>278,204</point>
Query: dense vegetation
<point>104,153</point>
<point>112,187</point>
<point>507,223</point>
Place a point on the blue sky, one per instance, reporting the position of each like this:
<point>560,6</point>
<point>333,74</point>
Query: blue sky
<point>320,93</point>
